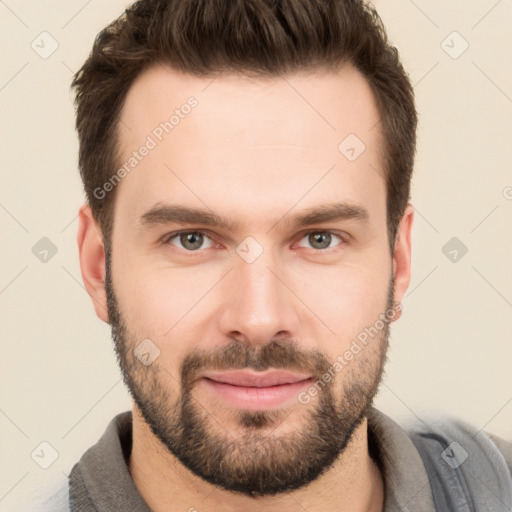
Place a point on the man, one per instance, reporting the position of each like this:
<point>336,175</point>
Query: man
<point>247,235</point>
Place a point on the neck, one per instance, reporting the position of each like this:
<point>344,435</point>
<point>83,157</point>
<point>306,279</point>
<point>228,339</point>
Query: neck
<point>354,483</point>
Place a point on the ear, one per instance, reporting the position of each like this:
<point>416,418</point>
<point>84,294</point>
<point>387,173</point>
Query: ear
<point>92,260</point>
<point>402,257</point>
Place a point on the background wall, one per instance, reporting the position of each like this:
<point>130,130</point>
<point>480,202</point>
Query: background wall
<point>451,351</point>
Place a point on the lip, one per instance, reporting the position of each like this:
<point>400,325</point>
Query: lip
<point>256,379</point>
<point>256,391</point>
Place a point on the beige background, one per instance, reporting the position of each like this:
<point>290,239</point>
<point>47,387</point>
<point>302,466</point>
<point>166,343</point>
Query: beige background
<point>452,349</point>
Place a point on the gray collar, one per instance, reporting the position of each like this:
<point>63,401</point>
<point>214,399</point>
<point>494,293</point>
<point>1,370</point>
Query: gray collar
<point>101,481</point>
<point>406,482</point>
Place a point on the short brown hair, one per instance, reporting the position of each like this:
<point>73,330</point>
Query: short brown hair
<point>255,37</point>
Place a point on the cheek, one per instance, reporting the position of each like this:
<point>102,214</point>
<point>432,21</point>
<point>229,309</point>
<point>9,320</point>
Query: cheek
<point>157,306</point>
<point>158,303</point>
<point>346,299</point>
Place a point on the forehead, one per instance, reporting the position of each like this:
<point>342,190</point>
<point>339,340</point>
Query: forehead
<point>234,141</point>
<point>332,101</point>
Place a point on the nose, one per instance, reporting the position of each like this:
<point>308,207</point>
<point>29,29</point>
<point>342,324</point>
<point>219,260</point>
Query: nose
<point>259,303</point>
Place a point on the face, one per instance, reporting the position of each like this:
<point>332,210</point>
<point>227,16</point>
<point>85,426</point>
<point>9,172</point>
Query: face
<point>286,267</point>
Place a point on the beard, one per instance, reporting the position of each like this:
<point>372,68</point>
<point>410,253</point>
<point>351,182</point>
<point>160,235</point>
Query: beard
<point>251,462</point>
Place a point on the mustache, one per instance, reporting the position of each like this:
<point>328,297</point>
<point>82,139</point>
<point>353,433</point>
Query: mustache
<point>277,354</point>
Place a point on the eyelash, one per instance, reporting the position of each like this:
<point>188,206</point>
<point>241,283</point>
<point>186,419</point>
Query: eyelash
<point>170,236</point>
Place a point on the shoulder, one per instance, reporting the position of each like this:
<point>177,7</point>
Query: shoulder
<point>465,464</point>
<point>459,439</point>
<point>52,496</point>
<point>504,446</point>
<point>445,441</point>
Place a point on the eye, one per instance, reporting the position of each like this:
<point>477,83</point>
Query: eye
<point>189,240</point>
<point>192,241</point>
<point>321,240</point>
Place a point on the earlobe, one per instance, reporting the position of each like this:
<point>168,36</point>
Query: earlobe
<point>402,257</point>
<point>92,260</point>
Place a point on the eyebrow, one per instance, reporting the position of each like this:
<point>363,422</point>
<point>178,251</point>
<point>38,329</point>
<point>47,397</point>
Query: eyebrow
<point>164,214</point>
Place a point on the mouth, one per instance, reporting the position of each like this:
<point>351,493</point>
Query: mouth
<point>256,390</point>
<point>256,379</point>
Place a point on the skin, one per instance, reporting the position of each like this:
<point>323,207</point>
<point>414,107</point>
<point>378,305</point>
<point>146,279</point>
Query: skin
<point>257,151</point>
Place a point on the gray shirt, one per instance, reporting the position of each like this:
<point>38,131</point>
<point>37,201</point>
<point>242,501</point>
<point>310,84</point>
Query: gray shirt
<point>101,481</point>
